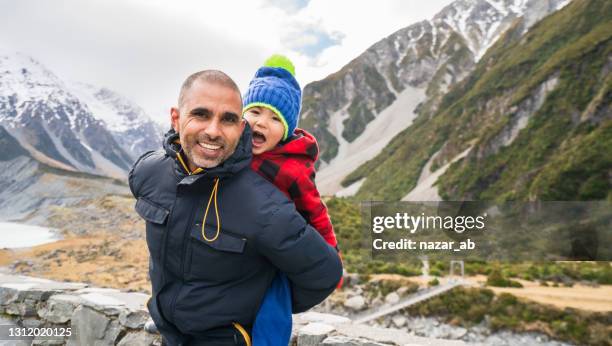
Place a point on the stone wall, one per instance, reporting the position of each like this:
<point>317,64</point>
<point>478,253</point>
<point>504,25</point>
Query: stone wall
<point>95,316</point>
<point>103,316</point>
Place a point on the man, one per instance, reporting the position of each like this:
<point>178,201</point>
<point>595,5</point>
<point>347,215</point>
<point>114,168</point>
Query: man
<point>217,232</point>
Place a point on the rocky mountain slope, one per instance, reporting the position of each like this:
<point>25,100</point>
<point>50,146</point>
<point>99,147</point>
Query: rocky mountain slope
<point>55,126</point>
<point>532,121</point>
<point>356,111</point>
<point>34,192</point>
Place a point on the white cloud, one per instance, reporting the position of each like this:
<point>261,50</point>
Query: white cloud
<point>145,48</point>
<point>289,6</point>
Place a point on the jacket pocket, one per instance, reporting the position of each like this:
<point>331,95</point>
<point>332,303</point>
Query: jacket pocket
<point>151,212</point>
<point>156,218</point>
<point>222,259</point>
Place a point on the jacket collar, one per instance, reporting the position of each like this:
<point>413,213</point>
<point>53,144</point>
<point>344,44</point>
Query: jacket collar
<point>239,160</point>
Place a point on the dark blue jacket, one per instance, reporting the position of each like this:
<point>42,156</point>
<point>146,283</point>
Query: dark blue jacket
<point>201,285</point>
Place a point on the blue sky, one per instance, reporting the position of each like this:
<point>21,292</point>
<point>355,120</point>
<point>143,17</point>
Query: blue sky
<point>145,48</point>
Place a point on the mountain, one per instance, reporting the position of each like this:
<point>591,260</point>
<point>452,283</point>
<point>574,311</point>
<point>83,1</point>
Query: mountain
<point>33,191</point>
<point>532,121</point>
<point>58,128</point>
<point>356,111</point>
<point>131,127</point>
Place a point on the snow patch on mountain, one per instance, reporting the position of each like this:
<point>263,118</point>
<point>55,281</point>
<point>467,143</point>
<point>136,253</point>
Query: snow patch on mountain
<point>376,136</point>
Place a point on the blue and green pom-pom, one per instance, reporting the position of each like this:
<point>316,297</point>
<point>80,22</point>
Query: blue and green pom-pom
<point>281,61</point>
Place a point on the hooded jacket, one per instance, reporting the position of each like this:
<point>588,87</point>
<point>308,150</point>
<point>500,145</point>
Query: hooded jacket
<point>206,278</point>
<point>291,167</point>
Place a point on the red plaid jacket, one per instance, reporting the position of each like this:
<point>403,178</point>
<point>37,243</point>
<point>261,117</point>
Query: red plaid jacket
<point>291,168</point>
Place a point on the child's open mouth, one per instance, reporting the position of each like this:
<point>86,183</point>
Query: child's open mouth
<point>258,138</point>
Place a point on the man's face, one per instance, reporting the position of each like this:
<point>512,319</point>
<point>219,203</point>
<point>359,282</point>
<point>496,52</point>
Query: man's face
<point>208,123</point>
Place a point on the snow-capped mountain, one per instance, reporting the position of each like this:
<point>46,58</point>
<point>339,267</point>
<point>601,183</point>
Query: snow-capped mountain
<point>59,128</point>
<point>128,123</point>
<point>481,22</point>
<point>355,112</point>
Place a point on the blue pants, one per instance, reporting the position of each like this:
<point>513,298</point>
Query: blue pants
<point>272,326</point>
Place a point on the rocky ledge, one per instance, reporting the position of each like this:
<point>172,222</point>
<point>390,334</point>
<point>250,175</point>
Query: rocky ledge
<point>104,316</point>
<point>91,316</point>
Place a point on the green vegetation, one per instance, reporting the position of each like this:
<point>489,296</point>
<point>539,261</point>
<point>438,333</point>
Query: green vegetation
<point>471,306</point>
<point>383,287</point>
<point>359,117</point>
<point>468,307</point>
<point>347,220</point>
<point>356,254</point>
<point>496,279</point>
<point>563,152</point>
<point>559,272</point>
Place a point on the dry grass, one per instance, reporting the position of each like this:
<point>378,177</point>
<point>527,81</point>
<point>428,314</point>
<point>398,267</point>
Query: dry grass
<point>579,296</point>
<point>108,261</point>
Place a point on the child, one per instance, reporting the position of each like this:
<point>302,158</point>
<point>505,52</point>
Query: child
<point>284,155</point>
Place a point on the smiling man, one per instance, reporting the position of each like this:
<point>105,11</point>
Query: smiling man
<point>217,232</point>
<point>208,140</point>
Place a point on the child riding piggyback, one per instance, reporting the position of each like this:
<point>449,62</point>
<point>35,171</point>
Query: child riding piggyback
<point>285,155</point>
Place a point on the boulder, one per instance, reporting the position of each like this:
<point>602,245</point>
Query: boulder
<point>355,303</point>
<point>392,298</point>
<point>313,334</point>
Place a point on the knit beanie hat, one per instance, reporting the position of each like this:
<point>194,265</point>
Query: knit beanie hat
<point>275,87</point>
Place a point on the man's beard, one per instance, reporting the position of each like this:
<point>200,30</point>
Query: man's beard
<point>201,160</point>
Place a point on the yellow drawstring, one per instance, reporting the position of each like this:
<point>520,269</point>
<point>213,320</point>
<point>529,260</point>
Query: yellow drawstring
<point>212,194</point>
<point>196,171</point>
<point>244,333</point>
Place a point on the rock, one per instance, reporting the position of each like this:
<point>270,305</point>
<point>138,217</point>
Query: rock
<point>402,290</point>
<point>377,302</point>
<point>8,295</point>
<point>150,327</point>
<point>457,333</point>
<point>355,303</point>
<point>133,319</point>
<point>313,334</point>
<point>399,321</point>
<point>21,298</point>
<point>59,308</point>
<point>340,340</point>
<point>139,338</point>
<point>91,327</point>
<point>392,298</point>
<point>351,279</point>
<point>312,316</point>
<point>38,342</point>
<point>25,308</point>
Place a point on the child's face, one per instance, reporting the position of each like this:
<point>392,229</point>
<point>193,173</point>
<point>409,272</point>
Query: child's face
<point>268,129</point>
